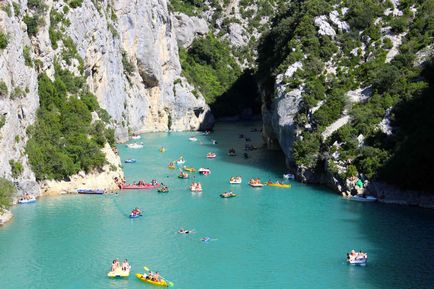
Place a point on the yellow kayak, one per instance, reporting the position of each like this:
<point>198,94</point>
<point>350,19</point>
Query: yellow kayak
<point>286,186</point>
<point>118,273</point>
<point>143,278</point>
<point>191,170</point>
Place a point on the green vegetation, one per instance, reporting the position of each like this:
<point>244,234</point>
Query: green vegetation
<point>3,40</point>
<point>7,189</point>
<point>7,8</point>
<point>2,120</point>
<point>27,58</point>
<point>64,140</point>
<point>3,89</point>
<point>399,89</point>
<point>188,7</point>
<point>18,92</point>
<point>17,8</point>
<point>75,3</point>
<point>209,65</point>
<point>34,22</point>
<point>128,66</point>
<point>16,168</point>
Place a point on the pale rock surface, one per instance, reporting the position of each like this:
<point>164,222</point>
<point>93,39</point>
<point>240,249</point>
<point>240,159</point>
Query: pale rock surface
<point>188,28</point>
<point>5,217</point>
<point>342,25</point>
<point>324,28</point>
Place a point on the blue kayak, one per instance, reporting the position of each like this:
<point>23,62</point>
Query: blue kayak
<point>133,216</point>
<point>130,161</point>
<point>91,191</point>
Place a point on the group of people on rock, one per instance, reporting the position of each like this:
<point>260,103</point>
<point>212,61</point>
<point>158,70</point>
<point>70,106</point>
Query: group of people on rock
<point>353,255</point>
<point>124,267</point>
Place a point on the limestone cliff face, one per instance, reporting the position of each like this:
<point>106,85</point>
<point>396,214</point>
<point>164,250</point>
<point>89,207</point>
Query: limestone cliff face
<point>18,105</point>
<point>130,59</point>
<point>154,96</point>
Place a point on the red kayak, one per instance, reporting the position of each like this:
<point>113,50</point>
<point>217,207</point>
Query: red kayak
<point>143,186</point>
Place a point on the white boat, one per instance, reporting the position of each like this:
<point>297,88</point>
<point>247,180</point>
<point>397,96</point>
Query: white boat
<point>204,171</point>
<point>359,260</point>
<point>28,200</point>
<point>288,176</point>
<point>211,155</point>
<point>235,180</point>
<point>192,138</point>
<point>136,137</point>
<point>361,198</point>
<point>180,161</point>
<point>135,145</point>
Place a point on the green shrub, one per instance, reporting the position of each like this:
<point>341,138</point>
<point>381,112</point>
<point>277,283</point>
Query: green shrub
<point>37,5</point>
<point>7,189</point>
<point>16,168</point>
<point>210,67</point>
<point>7,8</point>
<point>18,92</point>
<point>128,66</point>
<point>17,8</point>
<point>3,40</point>
<point>75,3</point>
<point>27,58</point>
<point>2,120</point>
<point>32,23</point>
<point>3,89</point>
<point>63,140</point>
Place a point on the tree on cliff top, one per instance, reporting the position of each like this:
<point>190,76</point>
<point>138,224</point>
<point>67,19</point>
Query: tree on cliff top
<point>7,189</point>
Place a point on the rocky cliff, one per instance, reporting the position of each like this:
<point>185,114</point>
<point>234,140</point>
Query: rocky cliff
<point>126,53</point>
<point>338,84</point>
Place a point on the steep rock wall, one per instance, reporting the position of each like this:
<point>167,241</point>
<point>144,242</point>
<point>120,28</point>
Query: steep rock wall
<point>148,95</point>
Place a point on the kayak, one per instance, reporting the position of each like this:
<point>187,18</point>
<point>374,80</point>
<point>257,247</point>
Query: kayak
<point>118,273</point>
<point>157,283</point>
<point>139,187</point>
<point>27,201</point>
<point>91,191</point>
<point>361,198</point>
<point>129,161</point>
<point>211,155</point>
<point>285,186</point>
<point>133,216</point>
<point>227,195</point>
<point>191,170</point>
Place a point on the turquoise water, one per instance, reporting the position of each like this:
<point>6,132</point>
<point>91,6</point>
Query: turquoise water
<point>264,238</point>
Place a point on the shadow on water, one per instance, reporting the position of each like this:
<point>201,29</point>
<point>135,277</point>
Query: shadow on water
<point>401,253</point>
<point>401,238</point>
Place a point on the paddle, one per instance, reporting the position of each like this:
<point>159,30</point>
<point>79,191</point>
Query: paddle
<point>168,282</point>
